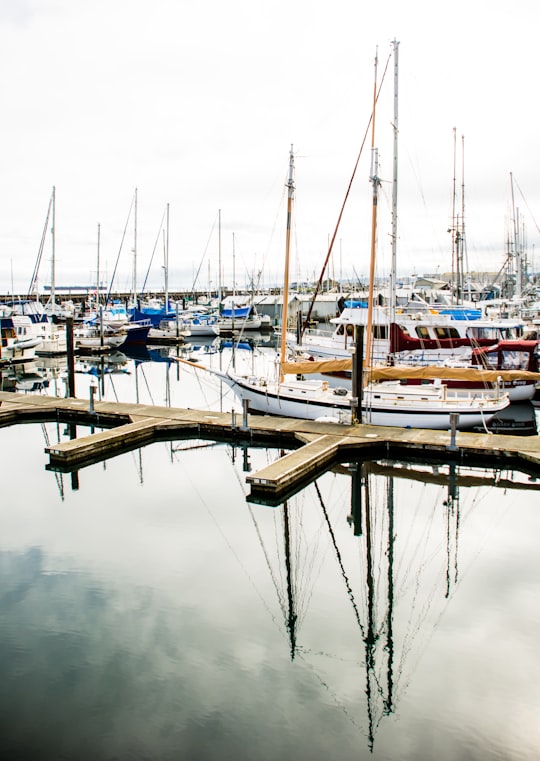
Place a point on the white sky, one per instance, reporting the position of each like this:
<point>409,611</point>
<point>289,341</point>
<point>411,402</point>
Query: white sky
<point>196,102</point>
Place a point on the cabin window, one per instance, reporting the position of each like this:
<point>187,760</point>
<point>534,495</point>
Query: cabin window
<point>493,334</point>
<point>350,330</point>
<point>380,332</point>
<point>514,360</point>
<point>443,333</point>
<point>422,331</point>
<point>490,360</point>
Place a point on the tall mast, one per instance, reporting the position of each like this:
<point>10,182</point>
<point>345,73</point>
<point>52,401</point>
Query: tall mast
<point>393,268</point>
<point>166,263</point>
<point>461,230</point>
<point>517,250</point>
<point>374,179</point>
<point>285,309</point>
<point>53,260</point>
<point>233,271</point>
<point>453,228</point>
<point>291,614</point>
<point>134,282</point>
<point>98,295</point>
<point>219,256</point>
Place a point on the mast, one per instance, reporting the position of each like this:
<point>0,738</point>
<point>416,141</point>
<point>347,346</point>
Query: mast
<point>389,702</point>
<point>453,228</point>
<point>134,281</point>
<point>285,309</point>
<point>457,229</point>
<point>166,262</point>
<point>374,179</point>
<point>393,268</point>
<point>219,256</point>
<point>34,281</point>
<point>53,259</point>
<point>517,250</point>
<point>233,271</point>
<point>291,613</point>
<point>98,295</point>
<point>462,227</point>
<point>370,639</point>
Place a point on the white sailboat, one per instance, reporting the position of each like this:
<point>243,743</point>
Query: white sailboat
<point>382,404</point>
<point>422,343</point>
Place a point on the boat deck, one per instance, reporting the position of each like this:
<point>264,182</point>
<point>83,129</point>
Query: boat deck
<point>312,446</point>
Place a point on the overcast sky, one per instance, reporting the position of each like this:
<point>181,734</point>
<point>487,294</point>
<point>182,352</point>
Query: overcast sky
<point>196,103</point>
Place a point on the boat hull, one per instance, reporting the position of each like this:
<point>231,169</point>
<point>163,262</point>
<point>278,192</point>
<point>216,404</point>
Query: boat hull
<point>314,400</point>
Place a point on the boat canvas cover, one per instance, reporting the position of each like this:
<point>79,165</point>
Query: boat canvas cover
<point>424,372</point>
<point>238,312</point>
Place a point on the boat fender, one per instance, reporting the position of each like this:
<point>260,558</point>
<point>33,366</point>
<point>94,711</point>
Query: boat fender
<point>340,391</point>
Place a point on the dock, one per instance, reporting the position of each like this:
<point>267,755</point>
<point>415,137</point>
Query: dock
<point>312,447</point>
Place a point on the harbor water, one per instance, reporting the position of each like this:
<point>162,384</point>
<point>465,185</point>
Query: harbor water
<point>151,610</point>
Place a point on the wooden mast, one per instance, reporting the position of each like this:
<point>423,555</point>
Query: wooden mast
<point>393,268</point>
<point>374,179</point>
<point>285,309</point>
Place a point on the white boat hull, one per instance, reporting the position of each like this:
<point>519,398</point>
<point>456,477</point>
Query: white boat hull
<point>382,405</point>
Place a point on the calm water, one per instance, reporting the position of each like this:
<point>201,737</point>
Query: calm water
<point>149,610</point>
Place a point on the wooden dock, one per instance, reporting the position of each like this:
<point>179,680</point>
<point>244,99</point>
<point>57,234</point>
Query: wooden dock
<point>312,447</point>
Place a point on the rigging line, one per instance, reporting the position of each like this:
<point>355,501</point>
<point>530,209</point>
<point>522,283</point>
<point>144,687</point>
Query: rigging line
<point>120,249</point>
<point>58,476</point>
<point>338,701</point>
<point>330,247</point>
<point>40,251</point>
<point>147,384</point>
<point>194,486</point>
<point>153,252</point>
<point>268,563</point>
<point>527,206</point>
<point>204,255</point>
<point>340,561</point>
<point>306,572</point>
<point>241,482</point>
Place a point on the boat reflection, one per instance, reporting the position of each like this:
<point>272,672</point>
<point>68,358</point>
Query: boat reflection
<point>399,569</point>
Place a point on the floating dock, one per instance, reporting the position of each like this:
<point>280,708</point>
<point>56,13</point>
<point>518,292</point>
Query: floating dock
<point>312,447</point>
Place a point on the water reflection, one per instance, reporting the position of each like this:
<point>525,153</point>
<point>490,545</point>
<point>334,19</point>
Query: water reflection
<point>150,610</point>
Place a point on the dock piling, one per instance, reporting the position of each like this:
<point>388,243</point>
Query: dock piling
<point>454,420</point>
<point>92,387</point>
<point>245,410</point>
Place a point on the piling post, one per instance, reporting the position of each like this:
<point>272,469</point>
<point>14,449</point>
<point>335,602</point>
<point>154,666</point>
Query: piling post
<point>357,363</point>
<point>70,345</point>
<point>93,387</point>
<point>245,410</point>
<point>299,321</point>
<point>454,420</point>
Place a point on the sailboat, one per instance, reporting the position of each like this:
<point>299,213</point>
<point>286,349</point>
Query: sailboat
<point>422,343</point>
<point>289,395</point>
